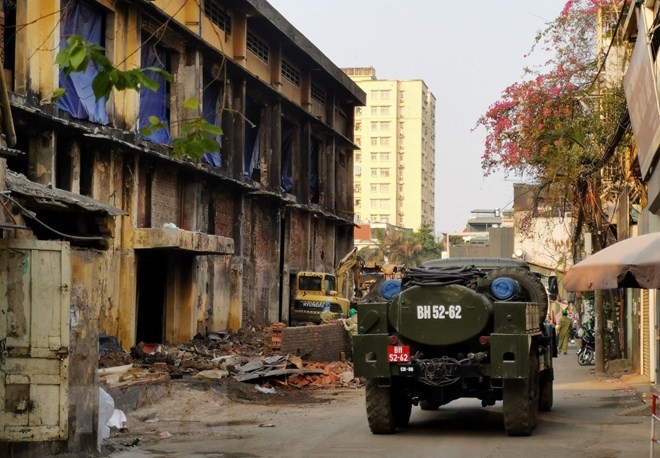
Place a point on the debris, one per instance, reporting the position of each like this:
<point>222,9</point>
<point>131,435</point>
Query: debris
<point>111,375</point>
<point>336,374</point>
<point>218,355</point>
<point>117,420</point>
<point>165,435</point>
<point>273,366</point>
<point>265,390</point>
<point>109,344</point>
<point>134,443</point>
<point>267,425</point>
<point>212,374</point>
<point>106,409</point>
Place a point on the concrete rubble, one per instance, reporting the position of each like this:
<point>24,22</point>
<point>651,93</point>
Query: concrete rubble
<point>218,355</point>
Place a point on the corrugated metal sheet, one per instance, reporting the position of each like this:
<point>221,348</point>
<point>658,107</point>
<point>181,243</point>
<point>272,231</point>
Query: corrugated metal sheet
<point>19,184</point>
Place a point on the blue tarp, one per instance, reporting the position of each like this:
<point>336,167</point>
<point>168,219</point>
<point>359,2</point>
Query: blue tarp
<point>314,168</point>
<point>154,103</point>
<point>78,99</point>
<point>251,152</point>
<point>210,99</point>
<point>287,141</point>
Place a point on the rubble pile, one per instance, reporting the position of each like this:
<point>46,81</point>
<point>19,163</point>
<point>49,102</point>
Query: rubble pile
<point>218,355</point>
<point>335,374</point>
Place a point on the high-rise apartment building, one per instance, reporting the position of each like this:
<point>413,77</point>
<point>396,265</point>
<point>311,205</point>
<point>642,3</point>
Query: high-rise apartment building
<point>394,176</point>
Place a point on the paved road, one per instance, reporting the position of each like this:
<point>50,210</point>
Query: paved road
<point>586,422</point>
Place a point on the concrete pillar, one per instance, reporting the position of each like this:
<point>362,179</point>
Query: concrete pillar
<point>41,158</point>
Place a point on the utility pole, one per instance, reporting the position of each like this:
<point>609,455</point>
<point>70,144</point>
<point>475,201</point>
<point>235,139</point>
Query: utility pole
<point>599,344</point>
<point>599,347</point>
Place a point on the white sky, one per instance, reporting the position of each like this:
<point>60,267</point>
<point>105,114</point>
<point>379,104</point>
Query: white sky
<point>466,52</point>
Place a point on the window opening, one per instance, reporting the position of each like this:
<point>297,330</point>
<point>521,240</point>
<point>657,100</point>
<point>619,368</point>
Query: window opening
<point>212,98</point>
<point>86,172</point>
<point>9,39</point>
<point>290,73</point>
<point>257,46</point>
<point>80,18</point>
<point>288,131</point>
<point>320,96</point>
<point>251,152</point>
<point>314,170</point>
<point>155,103</point>
<point>218,15</point>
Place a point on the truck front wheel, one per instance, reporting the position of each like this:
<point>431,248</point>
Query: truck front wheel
<point>545,390</point>
<point>521,401</point>
<point>387,409</point>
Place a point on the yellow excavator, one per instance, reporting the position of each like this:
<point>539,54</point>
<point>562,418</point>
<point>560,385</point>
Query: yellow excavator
<point>312,290</point>
<point>342,289</point>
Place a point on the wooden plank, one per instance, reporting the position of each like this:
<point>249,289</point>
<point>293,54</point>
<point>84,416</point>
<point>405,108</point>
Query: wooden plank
<point>26,244</point>
<point>34,433</point>
<point>45,287</point>
<point>18,297</point>
<point>28,366</point>
<point>39,275</point>
<point>45,412</point>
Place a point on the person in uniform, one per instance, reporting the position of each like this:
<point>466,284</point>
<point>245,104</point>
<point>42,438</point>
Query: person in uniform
<point>564,331</point>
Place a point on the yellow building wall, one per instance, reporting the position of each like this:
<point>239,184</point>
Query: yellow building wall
<point>258,67</point>
<point>35,42</point>
<point>126,55</point>
<point>291,91</point>
<point>215,37</point>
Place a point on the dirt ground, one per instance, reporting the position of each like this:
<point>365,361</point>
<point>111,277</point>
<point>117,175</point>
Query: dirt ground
<point>196,409</point>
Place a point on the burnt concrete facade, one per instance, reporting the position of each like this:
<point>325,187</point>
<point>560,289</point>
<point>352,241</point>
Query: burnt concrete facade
<point>175,246</point>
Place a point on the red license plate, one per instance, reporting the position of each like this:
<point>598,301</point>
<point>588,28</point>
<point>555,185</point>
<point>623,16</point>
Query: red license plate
<point>398,353</point>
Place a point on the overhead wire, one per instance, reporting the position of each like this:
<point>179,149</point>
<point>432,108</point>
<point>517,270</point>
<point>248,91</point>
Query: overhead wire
<point>33,217</point>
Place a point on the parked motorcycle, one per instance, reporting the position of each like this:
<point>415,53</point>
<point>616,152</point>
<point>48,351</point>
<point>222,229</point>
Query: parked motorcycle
<point>587,353</point>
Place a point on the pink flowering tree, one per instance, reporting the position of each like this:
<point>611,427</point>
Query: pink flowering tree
<point>561,125</point>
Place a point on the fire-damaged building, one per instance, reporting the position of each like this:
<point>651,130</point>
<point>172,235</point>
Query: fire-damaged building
<point>106,232</point>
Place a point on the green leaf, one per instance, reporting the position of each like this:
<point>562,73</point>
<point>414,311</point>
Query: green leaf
<point>210,145</point>
<point>154,120</point>
<point>147,82</point>
<point>78,58</point>
<point>191,104</point>
<point>57,93</point>
<point>195,149</point>
<point>74,40</point>
<point>62,59</point>
<point>212,129</point>
<point>101,86</point>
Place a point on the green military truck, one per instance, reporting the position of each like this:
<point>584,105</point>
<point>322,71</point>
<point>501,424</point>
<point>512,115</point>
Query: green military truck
<point>457,328</point>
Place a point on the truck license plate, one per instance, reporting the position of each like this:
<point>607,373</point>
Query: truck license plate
<point>398,353</point>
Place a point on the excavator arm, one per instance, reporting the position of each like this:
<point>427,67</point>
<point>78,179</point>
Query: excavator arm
<point>350,263</point>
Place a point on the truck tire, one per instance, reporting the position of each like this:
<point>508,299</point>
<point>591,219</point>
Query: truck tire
<point>402,408</point>
<point>380,412</point>
<point>521,401</point>
<point>429,405</point>
<point>545,390</point>
<point>533,289</point>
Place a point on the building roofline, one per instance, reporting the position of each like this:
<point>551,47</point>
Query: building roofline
<point>290,33</point>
